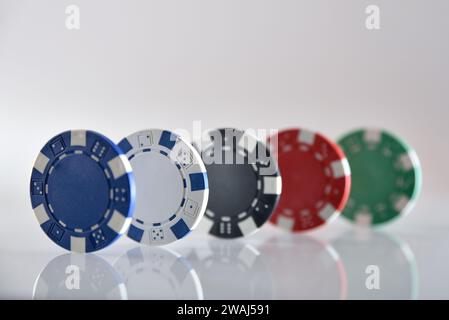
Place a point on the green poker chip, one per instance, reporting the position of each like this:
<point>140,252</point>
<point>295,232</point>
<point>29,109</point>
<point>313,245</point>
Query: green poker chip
<point>386,176</point>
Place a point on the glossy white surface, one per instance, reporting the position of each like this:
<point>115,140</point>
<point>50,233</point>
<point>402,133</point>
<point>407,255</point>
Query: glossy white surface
<point>330,263</point>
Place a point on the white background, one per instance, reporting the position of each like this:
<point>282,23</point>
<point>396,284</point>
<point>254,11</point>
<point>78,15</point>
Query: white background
<point>243,63</point>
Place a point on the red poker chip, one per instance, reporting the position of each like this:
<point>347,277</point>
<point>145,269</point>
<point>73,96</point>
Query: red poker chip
<point>315,179</point>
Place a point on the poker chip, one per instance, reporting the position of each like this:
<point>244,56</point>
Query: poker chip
<point>386,176</point>
<point>378,266</point>
<point>158,273</point>
<point>82,190</point>
<point>78,276</point>
<point>316,179</point>
<point>244,183</point>
<point>172,186</point>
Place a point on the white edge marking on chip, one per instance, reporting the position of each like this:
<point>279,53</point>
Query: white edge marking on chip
<point>248,255</point>
<point>414,158</point>
<point>197,283</point>
<point>43,288</point>
<point>408,208</point>
<point>133,140</point>
<point>119,166</point>
<point>126,163</point>
<point>272,185</point>
<point>157,134</point>
<point>327,212</point>
<point>332,252</point>
<point>334,216</point>
<point>146,237</point>
<point>247,226</point>
<point>407,251</point>
<point>363,219</point>
<point>193,274</point>
<point>119,290</point>
<point>78,260</point>
<point>372,136</point>
<point>247,142</point>
<point>401,203</point>
<point>119,223</point>
<point>41,162</point>
<point>340,168</point>
<point>141,139</point>
<point>210,212</point>
<point>306,136</point>
<point>78,244</point>
<point>123,291</point>
<point>41,214</point>
<point>78,138</point>
<point>406,160</point>
<point>285,223</point>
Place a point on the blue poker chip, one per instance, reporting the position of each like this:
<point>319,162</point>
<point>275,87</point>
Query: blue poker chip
<point>82,191</point>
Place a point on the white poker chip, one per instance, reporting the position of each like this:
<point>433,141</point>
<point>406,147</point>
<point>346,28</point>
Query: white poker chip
<point>171,186</point>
